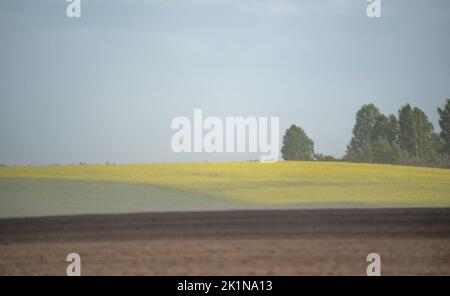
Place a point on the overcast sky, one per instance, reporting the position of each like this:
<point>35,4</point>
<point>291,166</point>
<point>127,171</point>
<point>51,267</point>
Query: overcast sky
<point>106,86</point>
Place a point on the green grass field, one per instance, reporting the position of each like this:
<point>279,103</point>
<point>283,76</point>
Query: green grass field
<point>204,186</point>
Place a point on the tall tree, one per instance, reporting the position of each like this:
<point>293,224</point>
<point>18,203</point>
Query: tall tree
<point>297,145</point>
<point>393,130</point>
<point>384,140</point>
<point>444,123</point>
<point>384,152</point>
<point>424,131</point>
<point>415,132</point>
<point>408,137</point>
<point>359,148</point>
<point>380,129</point>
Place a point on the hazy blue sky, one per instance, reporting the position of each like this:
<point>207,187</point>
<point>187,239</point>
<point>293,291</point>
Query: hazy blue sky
<point>106,86</point>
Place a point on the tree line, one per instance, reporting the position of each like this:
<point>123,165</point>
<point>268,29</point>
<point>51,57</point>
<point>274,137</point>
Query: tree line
<point>408,138</point>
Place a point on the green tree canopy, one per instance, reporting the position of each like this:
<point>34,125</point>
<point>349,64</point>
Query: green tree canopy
<point>424,132</point>
<point>297,145</point>
<point>407,130</point>
<point>380,129</point>
<point>359,148</point>
<point>415,132</point>
<point>393,133</point>
<point>385,152</point>
<point>444,123</point>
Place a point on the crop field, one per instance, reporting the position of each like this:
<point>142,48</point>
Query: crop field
<point>318,218</point>
<point>282,183</point>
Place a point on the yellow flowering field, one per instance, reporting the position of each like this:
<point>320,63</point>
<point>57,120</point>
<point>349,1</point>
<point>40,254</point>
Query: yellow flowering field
<point>277,183</point>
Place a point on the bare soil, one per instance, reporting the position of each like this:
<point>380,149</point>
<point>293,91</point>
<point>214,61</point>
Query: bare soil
<point>265,242</point>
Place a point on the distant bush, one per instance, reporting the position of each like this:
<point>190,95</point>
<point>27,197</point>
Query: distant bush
<point>324,157</point>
